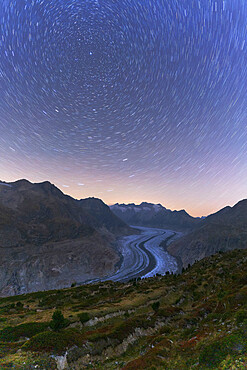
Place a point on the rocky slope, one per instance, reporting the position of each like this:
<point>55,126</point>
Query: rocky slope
<point>154,215</point>
<point>48,239</point>
<point>222,231</point>
<point>194,320</point>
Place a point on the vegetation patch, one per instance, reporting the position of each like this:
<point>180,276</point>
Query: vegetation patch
<point>54,342</point>
<point>201,315</point>
<point>84,317</point>
<point>13,334</point>
<point>213,354</point>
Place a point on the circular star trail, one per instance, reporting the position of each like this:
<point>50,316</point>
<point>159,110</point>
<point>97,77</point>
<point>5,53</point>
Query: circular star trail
<point>127,100</point>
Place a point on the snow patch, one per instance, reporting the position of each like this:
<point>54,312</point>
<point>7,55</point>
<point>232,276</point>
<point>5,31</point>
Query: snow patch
<point>119,208</point>
<point>156,207</point>
<point>3,184</point>
<point>136,209</point>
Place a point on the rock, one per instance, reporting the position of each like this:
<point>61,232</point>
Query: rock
<point>61,362</point>
<point>154,215</point>
<point>222,231</point>
<point>48,240</point>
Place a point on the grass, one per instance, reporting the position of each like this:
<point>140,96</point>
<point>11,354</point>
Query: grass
<point>233,345</point>
<point>54,342</point>
<point>13,334</point>
<point>199,324</point>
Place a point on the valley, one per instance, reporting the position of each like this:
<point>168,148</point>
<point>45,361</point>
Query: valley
<point>143,255</point>
<point>123,185</point>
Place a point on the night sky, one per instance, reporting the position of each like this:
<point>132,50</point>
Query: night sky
<point>126,100</point>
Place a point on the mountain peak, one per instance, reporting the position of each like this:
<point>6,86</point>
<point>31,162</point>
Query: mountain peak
<point>154,215</point>
<point>48,188</point>
<point>241,203</point>
<point>21,183</point>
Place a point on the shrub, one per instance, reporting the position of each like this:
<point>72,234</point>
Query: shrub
<point>128,326</point>
<point>84,317</point>
<point>19,305</point>
<point>213,354</point>
<point>58,321</point>
<point>156,306</point>
<point>123,329</point>
<point>234,363</point>
<point>13,334</point>
<point>241,316</point>
<point>55,342</point>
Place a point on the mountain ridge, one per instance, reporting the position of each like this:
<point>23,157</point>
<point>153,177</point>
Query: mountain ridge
<point>154,215</point>
<point>223,231</point>
<point>48,239</point>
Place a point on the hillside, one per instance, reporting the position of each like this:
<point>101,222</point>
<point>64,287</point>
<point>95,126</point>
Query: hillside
<point>196,320</point>
<point>222,231</point>
<point>48,239</point>
<point>154,215</point>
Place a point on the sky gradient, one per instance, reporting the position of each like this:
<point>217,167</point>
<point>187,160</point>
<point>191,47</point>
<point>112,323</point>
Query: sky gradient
<point>126,100</point>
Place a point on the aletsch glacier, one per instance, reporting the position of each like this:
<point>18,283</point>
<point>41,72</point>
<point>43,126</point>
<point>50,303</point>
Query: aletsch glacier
<point>143,256</point>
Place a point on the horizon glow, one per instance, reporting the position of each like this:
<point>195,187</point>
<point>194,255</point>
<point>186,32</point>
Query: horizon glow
<point>127,101</point>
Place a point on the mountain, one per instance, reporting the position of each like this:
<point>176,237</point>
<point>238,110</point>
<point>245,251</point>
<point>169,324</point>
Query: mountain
<point>194,320</point>
<point>154,215</point>
<point>48,239</point>
<point>223,231</point>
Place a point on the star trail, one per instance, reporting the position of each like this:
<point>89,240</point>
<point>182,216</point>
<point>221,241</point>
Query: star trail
<point>126,100</point>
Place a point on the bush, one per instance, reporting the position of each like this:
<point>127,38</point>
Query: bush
<point>241,316</point>
<point>156,306</point>
<point>55,342</point>
<point>123,329</point>
<point>19,305</point>
<point>13,334</point>
<point>84,317</point>
<point>213,354</point>
<point>58,321</point>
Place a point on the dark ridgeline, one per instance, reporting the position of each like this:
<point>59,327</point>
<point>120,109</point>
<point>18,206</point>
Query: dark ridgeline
<point>223,231</point>
<point>44,233</point>
<point>39,213</point>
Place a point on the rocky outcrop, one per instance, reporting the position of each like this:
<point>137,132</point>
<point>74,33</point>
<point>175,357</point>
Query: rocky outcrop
<point>55,265</point>
<point>222,231</point>
<point>49,240</point>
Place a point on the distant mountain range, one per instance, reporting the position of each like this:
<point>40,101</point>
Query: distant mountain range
<point>48,239</point>
<point>223,231</point>
<point>154,215</point>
